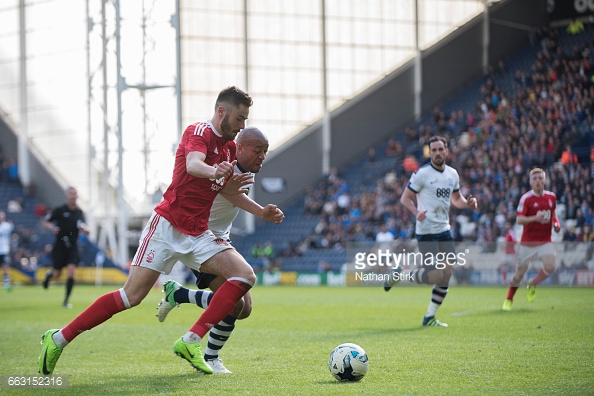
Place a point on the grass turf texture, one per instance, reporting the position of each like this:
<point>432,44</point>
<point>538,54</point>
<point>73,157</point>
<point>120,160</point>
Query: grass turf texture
<point>542,348</point>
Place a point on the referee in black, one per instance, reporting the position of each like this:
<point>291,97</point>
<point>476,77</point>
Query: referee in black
<point>66,222</point>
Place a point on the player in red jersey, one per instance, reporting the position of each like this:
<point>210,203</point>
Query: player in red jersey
<point>537,213</point>
<point>178,231</point>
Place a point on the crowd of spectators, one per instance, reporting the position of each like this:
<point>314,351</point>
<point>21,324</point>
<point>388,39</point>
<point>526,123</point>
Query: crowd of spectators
<point>493,147</point>
<point>26,251</point>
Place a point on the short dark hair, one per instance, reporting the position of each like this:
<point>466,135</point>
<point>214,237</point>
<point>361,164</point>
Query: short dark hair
<point>233,96</point>
<point>437,139</point>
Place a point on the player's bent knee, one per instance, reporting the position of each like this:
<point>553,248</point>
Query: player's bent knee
<point>247,306</point>
<point>243,309</point>
<point>246,311</point>
<point>549,263</point>
<point>246,275</point>
<point>132,298</point>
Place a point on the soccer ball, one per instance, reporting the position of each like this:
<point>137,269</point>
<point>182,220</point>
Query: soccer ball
<point>348,362</point>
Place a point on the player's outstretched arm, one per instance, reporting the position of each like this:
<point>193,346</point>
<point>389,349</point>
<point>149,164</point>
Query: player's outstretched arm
<point>273,214</point>
<point>268,213</point>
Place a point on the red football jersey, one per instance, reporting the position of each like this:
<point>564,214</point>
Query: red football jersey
<point>187,201</point>
<point>530,204</point>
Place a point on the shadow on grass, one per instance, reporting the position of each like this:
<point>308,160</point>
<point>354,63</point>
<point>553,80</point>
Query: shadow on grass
<point>490,311</point>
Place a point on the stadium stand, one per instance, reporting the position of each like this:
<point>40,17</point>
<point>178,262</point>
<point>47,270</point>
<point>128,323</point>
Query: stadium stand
<point>523,114</point>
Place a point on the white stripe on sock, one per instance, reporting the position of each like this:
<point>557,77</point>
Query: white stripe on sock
<point>192,296</point>
<point>125,298</point>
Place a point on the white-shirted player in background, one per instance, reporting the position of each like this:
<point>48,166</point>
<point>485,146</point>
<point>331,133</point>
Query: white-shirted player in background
<point>252,146</point>
<point>434,186</point>
<point>6,228</point>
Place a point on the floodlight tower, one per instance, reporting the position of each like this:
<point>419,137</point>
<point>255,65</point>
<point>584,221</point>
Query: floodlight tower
<point>134,99</point>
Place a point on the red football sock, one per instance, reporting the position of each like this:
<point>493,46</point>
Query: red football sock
<point>222,303</point>
<point>542,275</point>
<point>511,292</point>
<point>101,310</point>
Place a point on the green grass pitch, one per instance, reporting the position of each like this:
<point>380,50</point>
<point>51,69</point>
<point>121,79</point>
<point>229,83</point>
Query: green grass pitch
<point>546,347</point>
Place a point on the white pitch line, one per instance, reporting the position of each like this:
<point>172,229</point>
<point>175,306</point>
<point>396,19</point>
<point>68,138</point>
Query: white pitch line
<point>474,310</point>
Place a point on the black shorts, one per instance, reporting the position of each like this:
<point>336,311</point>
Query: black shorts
<point>437,245</point>
<point>4,259</point>
<point>203,279</point>
<point>62,256</point>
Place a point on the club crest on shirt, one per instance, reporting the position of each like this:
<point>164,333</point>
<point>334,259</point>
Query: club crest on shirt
<point>450,182</point>
<point>221,241</point>
<point>550,203</point>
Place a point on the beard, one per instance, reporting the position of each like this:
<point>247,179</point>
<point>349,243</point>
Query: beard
<point>225,126</point>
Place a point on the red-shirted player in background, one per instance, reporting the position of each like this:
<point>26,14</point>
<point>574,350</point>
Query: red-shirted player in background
<point>178,231</point>
<point>537,213</point>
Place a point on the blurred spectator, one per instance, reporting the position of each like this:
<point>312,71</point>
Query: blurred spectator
<point>384,236</point>
<point>13,171</point>
<point>257,251</point>
<point>575,27</point>
<point>580,219</point>
<point>569,235</point>
<point>568,157</point>
<point>391,149</point>
<point>455,230</point>
<point>410,164</point>
<point>25,266</point>
<point>268,250</point>
<point>40,210</point>
<point>323,266</point>
<point>15,205</point>
<point>586,234</point>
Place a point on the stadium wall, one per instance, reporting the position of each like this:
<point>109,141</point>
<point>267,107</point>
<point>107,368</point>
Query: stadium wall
<point>387,107</point>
